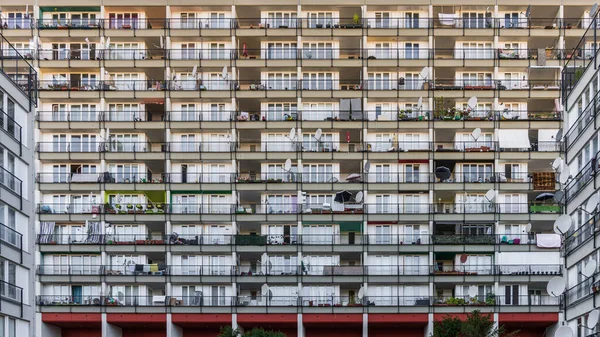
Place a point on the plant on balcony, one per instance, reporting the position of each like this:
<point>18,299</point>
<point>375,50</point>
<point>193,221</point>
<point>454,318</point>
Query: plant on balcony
<point>455,301</point>
<point>490,299</point>
<point>476,325</point>
<point>228,331</point>
<point>356,20</point>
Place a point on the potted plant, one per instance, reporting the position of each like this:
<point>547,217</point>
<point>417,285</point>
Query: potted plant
<point>129,208</point>
<point>139,208</point>
<point>490,299</point>
<point>160,208</point>
<point>356,20</point>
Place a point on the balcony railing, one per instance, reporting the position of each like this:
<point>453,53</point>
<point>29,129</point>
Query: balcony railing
<point>11,236</point>
<point>71,270</point>
<point>495,208</point>
<point>10,126</point>
<point>11,182</point>
<point>297,301</point>
<point>11,292</point>
<point>201,116</point>
<point>16,68</point>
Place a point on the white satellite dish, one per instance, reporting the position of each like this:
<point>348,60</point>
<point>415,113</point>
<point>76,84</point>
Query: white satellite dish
<point>590,268</point>
<point>195,71</point>
<point>559,135</point>
<point>564,175</point>
<point>592,204</point>
<point>318,134</point>
<point>528,228</point>
<point>564,331</point>
<point>557,164</point>
<point>507,114</point>
<point>292,134</point>
<point>424,73</point>
<point>224,72</point>
<point>476,133</point>
<point>107,43</point>
<point>288,165</point>
<point>473,290</point>
<point>562,224</point>
<point>87,40</point>
<point>472,103</point>
<point>367,166</point>
<point>594,9</point>
<point>162,42</point>
<point>556,286</point>
<point>490,195</point>
<point>359,196</point>
<point>592,319</point>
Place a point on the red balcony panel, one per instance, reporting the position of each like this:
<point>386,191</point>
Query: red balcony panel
<point>72,320</point>
<point>392,331</point>
<point>400,320</point>
<point>278,319</point>
<point>320,319</point>
<point>212,321</point>
<point>439,317</point>
<point>138,321</point>
<point>81,332</point>
<point>530,319</point>
<point>133,332</point>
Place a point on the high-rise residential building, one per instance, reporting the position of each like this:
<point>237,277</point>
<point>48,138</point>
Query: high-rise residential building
<point>357,167</point>
<point>580,96</point>
<point>17,197</point>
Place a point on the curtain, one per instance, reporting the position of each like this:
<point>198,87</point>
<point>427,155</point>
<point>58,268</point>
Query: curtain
<point>94,232</point>
<point>46,231</point>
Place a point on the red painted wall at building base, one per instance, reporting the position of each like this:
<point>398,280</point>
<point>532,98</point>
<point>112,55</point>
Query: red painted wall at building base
<point>529,332</point>
<point>200,332</point>
<point>144,333</point>
<point>394,332</point>
<point>81,332</point>
<point>336,332</point>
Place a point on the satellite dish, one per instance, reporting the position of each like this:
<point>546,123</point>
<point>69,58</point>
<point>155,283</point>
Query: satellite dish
<point>507,114</point>
<point>361,293</point>
<point>107,44</point>
<point>490,195</point>
<point>528,12</point>
<point>195,71</point>
<point>288,165</point>
<point>563,224</point>
<point>420,102</point>
<point>424,72</point>
<point>318,134</point>
<point>359,196</point>
<point>87,40</point>
<point>564,331</point>
<point>592,204</point>
<point>589,269</point>
<point>593,12</point>
<point>292,133</point>
<point>557,164</point>
<point>476,133</point>
<point>472,103</point>
<point>528,228</point>
<point>162,42</point>
<point>559,135</point>
<point>592,319</point>
<point>559,196</point>
<point>556,286</point>
<point>564,175</point>
<point>367,166</point>
<point>473,290</point>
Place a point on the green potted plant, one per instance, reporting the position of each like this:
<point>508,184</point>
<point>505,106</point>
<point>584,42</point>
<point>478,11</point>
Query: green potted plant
<point>356,20</point>
<point>490,299</point>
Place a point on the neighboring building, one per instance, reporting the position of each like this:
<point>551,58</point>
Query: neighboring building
<point>166,207</point>
<point>580,97</point>
<point>17,197</point>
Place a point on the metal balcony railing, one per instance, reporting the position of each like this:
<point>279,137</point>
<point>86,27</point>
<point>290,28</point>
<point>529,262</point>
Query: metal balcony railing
<point>11,181</point>
<point>10,126</point>
<point>297,301</point>
<point>16,69</point>
<point>71,270</point>
<point>11,236</point>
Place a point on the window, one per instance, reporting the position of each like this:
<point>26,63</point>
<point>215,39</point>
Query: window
<point>281,19</point>
<point>12,327</point>
<point>281,50</point>
<point>281,111</point>
<point>318,81</point>
<point>473,173</point>
<point>511,295</point>
<point>474,20</point>
<point>317,111</point>
<point>412,173</point>
<point>320,20</point>
<point>318,173</point>
<point>383,173</point>
<point>382,20</point>
<point>124,112</point>
<point>318,50</point>
<point>381,81</point>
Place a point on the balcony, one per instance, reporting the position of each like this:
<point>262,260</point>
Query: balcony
<point>11,237</point>
<point>495,208</point>
<point>11,182</point>
<point>70,270</point>
<point>12,299</point>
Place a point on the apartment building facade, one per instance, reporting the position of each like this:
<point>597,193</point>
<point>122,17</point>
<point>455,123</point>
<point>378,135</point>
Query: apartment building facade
<point>580,99</point>
<point>17,198</point>
<point>356,168</point>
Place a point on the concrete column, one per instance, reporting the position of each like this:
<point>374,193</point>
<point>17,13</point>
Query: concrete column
<point>300,332</point>
<point>110,330</point>
<point>173,330</point>
<point>365,325</point>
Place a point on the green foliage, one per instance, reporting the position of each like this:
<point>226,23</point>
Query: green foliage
<point>476,325</point>
<point>228,331</point>
<point>447,327</point>
<point>455,301</point>
<point>356,18</point>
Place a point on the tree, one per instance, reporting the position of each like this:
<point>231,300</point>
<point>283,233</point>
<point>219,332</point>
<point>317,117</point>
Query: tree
<point>228,331</point>
<point>448,327</point>
<point>476,325</point>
